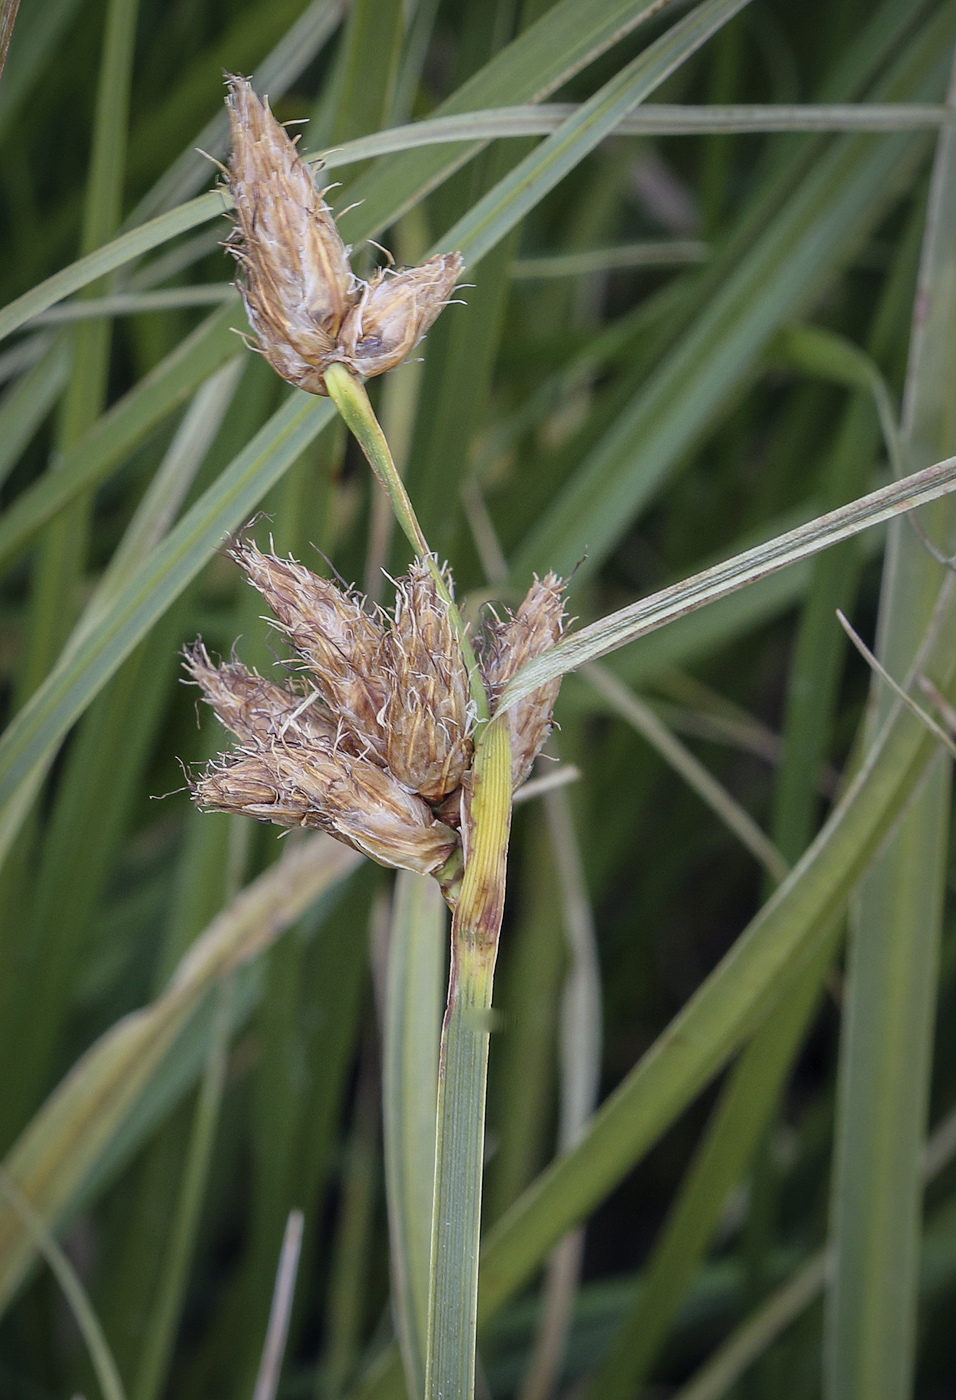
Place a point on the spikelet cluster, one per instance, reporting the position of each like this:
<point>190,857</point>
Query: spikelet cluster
<point>305,304</point>
<point>536,625</point>
<point>372,737</point>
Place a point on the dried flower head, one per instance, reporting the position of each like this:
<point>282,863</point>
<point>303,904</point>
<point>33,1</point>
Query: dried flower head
<point>372,739</point>
<point>537,625</point>
<point>318,785</point>
<point>428,716</point>
<point>296,279</point>
<point>259,713</point>
<point>305,304</point>
<point>394,311</point>
<point>335,636</point>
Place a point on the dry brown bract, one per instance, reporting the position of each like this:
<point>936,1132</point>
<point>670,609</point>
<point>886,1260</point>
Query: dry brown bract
<point>375,734</point>
<point>305,304</point>
<point>536,625</point>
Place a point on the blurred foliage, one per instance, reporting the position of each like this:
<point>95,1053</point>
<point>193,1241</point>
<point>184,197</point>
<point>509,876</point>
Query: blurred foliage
<point>634,421</point>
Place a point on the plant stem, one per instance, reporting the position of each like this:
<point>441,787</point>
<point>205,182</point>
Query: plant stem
<point>463,1072</point>
<point>463,1065</point>
<point>347,392</point>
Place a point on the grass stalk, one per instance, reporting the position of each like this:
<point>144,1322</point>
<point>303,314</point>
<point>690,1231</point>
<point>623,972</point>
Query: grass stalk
<point>413,1010</point>
<point>348,394</point>
<point>462,1079</point>
<point>280,1314</point>
<point>892,979</point>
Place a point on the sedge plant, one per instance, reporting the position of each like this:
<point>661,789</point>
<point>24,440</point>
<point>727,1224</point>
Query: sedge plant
<point>388,733</point>
<point>388,739</point>
<point>397,733</point>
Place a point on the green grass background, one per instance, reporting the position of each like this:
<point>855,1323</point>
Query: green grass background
<point>668,350</point>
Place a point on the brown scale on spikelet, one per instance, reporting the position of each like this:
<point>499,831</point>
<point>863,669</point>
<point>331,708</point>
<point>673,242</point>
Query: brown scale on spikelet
<point>321,787</point>
<point>305,304</point>
<point>428,717</point>
<point>259,713</point>
<point>296,280</point>
<point>337,639</point>
<point>394,311</point>
<point>537,625</point>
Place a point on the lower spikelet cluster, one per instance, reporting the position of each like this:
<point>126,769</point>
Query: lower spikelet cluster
<point>372,739</point>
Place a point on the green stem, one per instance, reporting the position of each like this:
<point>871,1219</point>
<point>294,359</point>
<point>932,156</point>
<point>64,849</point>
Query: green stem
<point>463,1073</point>
<point>456,1210</point>
<point>347,392</point>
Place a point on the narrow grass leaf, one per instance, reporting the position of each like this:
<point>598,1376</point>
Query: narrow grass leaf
<point>39,727</point>
<point>62,1145</point>
<point>617,629</point>
<point>525,186</point>
<point>413,1010</point>
<point>886,1041</point>
<point>118,431</point>
<point>280,1314</point>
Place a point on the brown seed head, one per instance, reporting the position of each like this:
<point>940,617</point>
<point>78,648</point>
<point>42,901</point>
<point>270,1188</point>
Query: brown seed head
<point>394,311</point>
<point>259,713</point>
<point>296,280</point>
<point>322,787</point>
<point>338,640</point>
<point>536,625</point>
<point>305,304</point>
<point>428,717</point>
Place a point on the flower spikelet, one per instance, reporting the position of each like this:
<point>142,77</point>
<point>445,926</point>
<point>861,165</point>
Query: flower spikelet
<point>537,625</point>
<point>296,279</point>
<point>320,786</point>
<point>428,718</point>
<point>304,302</point>
<point>337,639</point>
<point>394,311</point>
<point>258,712</point>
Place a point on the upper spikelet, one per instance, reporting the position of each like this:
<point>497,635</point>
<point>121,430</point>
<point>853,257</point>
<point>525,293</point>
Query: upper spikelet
<point>394,311</point>
<point>537,625</point>
<point>296,279</point>
<point>304,302</point>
